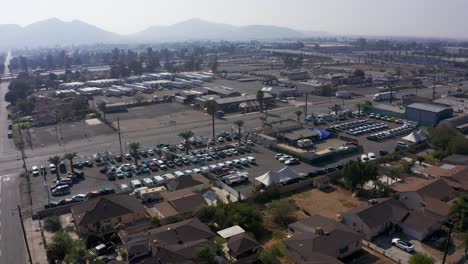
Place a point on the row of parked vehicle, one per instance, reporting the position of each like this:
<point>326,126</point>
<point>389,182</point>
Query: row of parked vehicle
<point>62,186</point>
<point>218,169</point>
<point>350,125</point>
<point>366,129</point>
<point>80,198</point>
<point>286,159</point>
<point>391,133</point>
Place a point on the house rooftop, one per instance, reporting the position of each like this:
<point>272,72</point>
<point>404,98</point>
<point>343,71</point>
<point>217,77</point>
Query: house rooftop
<point>106,207</point>
<point>431,107</point>
<point>435,188</point>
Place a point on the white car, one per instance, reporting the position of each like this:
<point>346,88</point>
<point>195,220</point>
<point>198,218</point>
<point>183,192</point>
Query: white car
<point>124,187</point>
<point>52,168</point>
<point>364,158</point>
<point>404,245</point>
<point>79,197</point>
<point>371,156</point>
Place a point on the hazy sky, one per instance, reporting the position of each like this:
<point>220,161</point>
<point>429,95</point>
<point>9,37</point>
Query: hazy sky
<point>440,18</point>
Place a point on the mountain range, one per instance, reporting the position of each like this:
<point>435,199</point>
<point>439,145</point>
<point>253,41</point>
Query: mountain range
<point>53,31</point>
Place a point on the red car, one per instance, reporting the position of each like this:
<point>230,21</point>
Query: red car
<point>354,143</point>
<point>93,194</point>
<point>118,158</point>
<point>153,166</point>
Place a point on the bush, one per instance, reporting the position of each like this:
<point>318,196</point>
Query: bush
<point>269,194</point>
<point>420,258</point>
<point>271,256</point>
<point>52,224</point>
<point>282,211</point>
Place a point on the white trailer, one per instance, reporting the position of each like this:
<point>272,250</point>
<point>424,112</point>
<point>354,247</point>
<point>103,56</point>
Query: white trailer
<point>113,92</point>
<point>343,94</point>
<point>152,194</point>
<point>378,97</point>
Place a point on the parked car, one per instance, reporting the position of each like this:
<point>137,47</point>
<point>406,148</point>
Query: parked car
<point>404,245</point>
<point>371,156</point>
<point>61,190</point>
<point>107,191</point>
<point>93,194</point>
<point>364,158</point>
<point>79,197</point>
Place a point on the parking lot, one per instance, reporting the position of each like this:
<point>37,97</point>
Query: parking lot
<point>95,180</point>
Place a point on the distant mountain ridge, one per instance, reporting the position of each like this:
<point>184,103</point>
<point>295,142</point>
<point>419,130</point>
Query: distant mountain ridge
<point>53,31</point>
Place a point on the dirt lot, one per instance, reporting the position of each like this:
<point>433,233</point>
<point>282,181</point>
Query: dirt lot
<point>65,132</point>
<point>327,203</point>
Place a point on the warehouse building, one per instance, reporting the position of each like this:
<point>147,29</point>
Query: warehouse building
<point>428,114</point>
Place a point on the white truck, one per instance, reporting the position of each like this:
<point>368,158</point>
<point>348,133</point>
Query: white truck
<point>343,94</point>
<point>378,97</point>
<point>304,143</point>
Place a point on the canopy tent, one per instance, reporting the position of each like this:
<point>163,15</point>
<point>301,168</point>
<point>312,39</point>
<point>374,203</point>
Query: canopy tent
<point>323,134</point>
<point>283,175</point>
<point>416,137</point>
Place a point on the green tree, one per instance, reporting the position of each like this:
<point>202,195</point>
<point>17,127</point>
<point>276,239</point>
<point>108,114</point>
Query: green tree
<point>79,106</point>
<point>211,108</point>
<point>134,148</point>
<point>155,221</point>
<point>52,224</point>
<point>70,156</point>
<point>271,256</point>
<point>420,159</point>
<point>359,73</point>
<point>205,255</point>
<point>420,258</point>
<point>459,213</point>
<point>298,113</point>
<point>282,211</point>
<point>440,136</point>
<point>56,161</point>
<point>357,173</point>
<point>239,124</point>
<point>261,99</point>
<point>186,135</point>
<point>78,254</point>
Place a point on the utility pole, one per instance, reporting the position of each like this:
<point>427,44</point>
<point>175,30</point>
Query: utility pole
<point>24,234</point>
<point>305,109</point>
<point>448,242</point>
<point>120,137</point>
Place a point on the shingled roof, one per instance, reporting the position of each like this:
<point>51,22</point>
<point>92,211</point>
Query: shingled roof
<point>241,243</point>
<point>106,207</point>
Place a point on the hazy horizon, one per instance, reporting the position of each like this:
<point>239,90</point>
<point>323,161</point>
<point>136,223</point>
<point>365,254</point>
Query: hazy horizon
<point>418,18</point>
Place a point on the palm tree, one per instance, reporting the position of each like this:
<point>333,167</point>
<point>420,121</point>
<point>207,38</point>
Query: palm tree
<point>70,156</point>
<point>260,99</point>
<point>359,105</point>
<point>239,124</point>
<point>134,147</point>
<point>298,113</point>
<point>186,135</point>
<point>212,107</point>
<point>56,161</point>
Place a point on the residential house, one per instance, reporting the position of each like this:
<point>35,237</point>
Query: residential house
<point>321,239</point>
<point>243,248</point>
<point>114,210</point>
<point>170,244</point>
<point>455,175</point>
<point>425,195</point>
<point>195,183</point>
<point>179,202</point>
<point>385,214</point>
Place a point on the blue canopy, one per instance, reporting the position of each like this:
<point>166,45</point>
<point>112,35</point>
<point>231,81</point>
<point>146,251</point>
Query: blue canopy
<point>323,134</point>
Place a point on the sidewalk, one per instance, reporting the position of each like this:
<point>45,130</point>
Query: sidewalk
<point>38,252</point>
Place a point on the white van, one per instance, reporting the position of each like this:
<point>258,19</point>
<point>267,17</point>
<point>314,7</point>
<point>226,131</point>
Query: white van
<point>237,163</point>
<point>205,170</point>
<point>188,172</point>
<point>213,167</point>
<point>179,174</point>
<point>229,163</point>
<point>148,182</point>
<point>244,161</point>
<point>251,160</point>
<point>135,184</point>
<point>158,180</point>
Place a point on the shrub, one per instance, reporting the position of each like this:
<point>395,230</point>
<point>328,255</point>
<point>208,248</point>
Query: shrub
<point>52,224</point>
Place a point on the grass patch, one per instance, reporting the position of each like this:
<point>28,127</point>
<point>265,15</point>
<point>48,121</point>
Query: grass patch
<point>278,235</point>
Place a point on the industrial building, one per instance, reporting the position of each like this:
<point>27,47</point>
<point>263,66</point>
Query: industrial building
<point>428,114</point>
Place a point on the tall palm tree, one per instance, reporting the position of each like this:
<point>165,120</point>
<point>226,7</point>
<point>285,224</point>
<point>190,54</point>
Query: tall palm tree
<point>186,135</point>
<point>134,148</point>
<point>239,124</point>
<point>261,99</point>
<point>212,107</point>
<point>70,156</point>
<point>298,113</point>
<point>359,105</point>
<point>56,161</point>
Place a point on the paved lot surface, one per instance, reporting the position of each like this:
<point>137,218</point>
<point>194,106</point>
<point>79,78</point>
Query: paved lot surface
<point>94,180</point>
